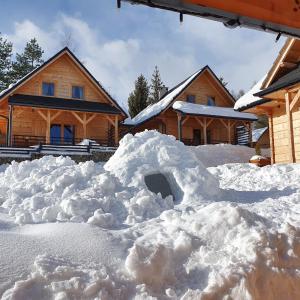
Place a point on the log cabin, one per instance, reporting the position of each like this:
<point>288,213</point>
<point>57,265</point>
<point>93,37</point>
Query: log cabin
<point>199,110</point>
<point>277,95</point>
<point>59,102</point>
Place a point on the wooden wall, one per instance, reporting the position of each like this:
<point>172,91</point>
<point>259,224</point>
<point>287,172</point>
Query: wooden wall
<point>27,121</point>
<point>64,73</point>
<point>203,87</point>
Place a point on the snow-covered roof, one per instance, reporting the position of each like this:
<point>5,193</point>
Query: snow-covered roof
<point>248,100</point>
<point>257,133</point>
<point>213,111</point>
<point>157,108</point>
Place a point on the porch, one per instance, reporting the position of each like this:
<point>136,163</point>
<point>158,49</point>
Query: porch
<point>36,120</point>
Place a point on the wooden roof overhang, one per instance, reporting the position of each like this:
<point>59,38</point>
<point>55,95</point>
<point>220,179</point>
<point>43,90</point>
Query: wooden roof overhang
<point>62,104</point>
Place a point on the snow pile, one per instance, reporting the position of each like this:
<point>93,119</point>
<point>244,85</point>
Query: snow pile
<point>214,155</point>
<point>150,152</point>
<point>233,233</point>
<point>57,189</point>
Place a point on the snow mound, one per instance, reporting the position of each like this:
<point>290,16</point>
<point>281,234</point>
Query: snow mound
<point>56,278</point>
<point>150,152</point>
<point>54,189</point>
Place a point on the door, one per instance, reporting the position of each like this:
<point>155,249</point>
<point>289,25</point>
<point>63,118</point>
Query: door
<point>196,137</point>
<point>69,134</point>
<point>55,134</point>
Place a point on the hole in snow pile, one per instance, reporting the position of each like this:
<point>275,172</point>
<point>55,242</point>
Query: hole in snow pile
<point>150,152</point>
<point>158,183</point>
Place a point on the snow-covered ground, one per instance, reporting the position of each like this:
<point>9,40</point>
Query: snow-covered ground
<point>94,231</point>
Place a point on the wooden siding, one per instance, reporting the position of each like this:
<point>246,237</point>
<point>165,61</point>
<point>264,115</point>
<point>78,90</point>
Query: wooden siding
<point>204,86</point>
<point>28,122</point>
<point>64,74</point>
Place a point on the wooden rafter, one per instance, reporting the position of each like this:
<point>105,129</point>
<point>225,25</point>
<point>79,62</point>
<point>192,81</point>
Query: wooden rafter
<point>295,100</point>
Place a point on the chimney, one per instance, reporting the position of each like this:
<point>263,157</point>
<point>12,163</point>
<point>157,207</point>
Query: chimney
<point>163,91</point>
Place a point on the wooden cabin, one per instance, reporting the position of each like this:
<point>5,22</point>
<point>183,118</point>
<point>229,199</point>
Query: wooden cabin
<point>277,96</point>
<point>59,102</point>
<point>199,110</point>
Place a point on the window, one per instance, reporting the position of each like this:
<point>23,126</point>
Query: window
<point>48,89</point>
<point>191,98</point>
<point>211,101</point>
<point>77,92</point>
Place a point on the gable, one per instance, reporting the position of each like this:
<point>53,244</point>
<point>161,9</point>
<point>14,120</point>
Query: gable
<point>65,70</point>
<point>206,86</point>
<point>64,74</point>
<point>287,59</point>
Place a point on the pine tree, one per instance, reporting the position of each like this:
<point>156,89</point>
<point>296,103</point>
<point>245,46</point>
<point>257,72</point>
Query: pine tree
<point>137,99</point>
<point>5,62</point>
<point>156,85</point>
<point>30,59</point>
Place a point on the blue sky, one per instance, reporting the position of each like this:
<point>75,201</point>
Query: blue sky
<point>118,45</point>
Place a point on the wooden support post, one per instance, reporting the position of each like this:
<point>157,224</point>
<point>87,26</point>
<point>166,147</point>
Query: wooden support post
<point>48,124</point>
<point>205,131</point>
<point>229,132</point>
<point>249,134</point>
<point>84,126</point>
<point>116,130</point>
<point>179,126</point>
<point>290,128</point>
<point>271,135</point>
<point>10,119</point>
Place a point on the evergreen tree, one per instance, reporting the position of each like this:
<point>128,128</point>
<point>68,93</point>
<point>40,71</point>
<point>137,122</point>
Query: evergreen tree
<point>5,62</point>
<point>261,122</point>
<point>156,85</point>
<point>30,59</point>
<point>137,99</point>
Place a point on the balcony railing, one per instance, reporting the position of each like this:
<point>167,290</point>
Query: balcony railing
<point>192,142</point>
<point>29,140</point>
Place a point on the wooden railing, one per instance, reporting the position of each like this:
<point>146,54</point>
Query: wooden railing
<point>191,142</point>
<point>29,140</point>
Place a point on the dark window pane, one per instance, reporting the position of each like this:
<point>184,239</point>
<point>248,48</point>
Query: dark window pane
<point>68,134</point>
<point>211,101</point>
<point>48,89</point>
<point>191,98</point>
<point>77,92</point>
<point>55,137</point>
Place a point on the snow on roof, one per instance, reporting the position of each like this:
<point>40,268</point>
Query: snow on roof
<point>257,133</point>
<point>214,111</point>
<point>248,100</point>
<point>157,108</point>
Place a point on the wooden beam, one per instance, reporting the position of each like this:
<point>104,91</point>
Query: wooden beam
<point>271,135</point>
<point>185,119</point>
<point>84,126</point>
<point>77,117</point>
<point>42,115</point>
<point>110,121</point>
<point>10,126</point>
<point>48,124</point>
<point>91,118</point>
<point>116,130</point>
<point>295,100</point>
<point>250,134</point>
<point>209,122</point>
<point>290,128</point>
<point>224,123</point>
<point>56,115</point>
<point>205,131</point>
<point>179,127</point>
<point>199,121</point>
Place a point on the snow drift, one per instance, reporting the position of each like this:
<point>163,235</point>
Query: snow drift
<point>233,232</point>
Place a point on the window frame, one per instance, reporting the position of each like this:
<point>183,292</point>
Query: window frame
<point>48,82</point>
<point>77,86</point>
<point>213,98</point>
<point>190,95</point>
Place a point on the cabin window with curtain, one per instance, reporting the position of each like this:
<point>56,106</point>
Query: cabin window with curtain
<point>191,98</point>
<point>77,92</point>
<point>48,89</point>
<point>211,101</point>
